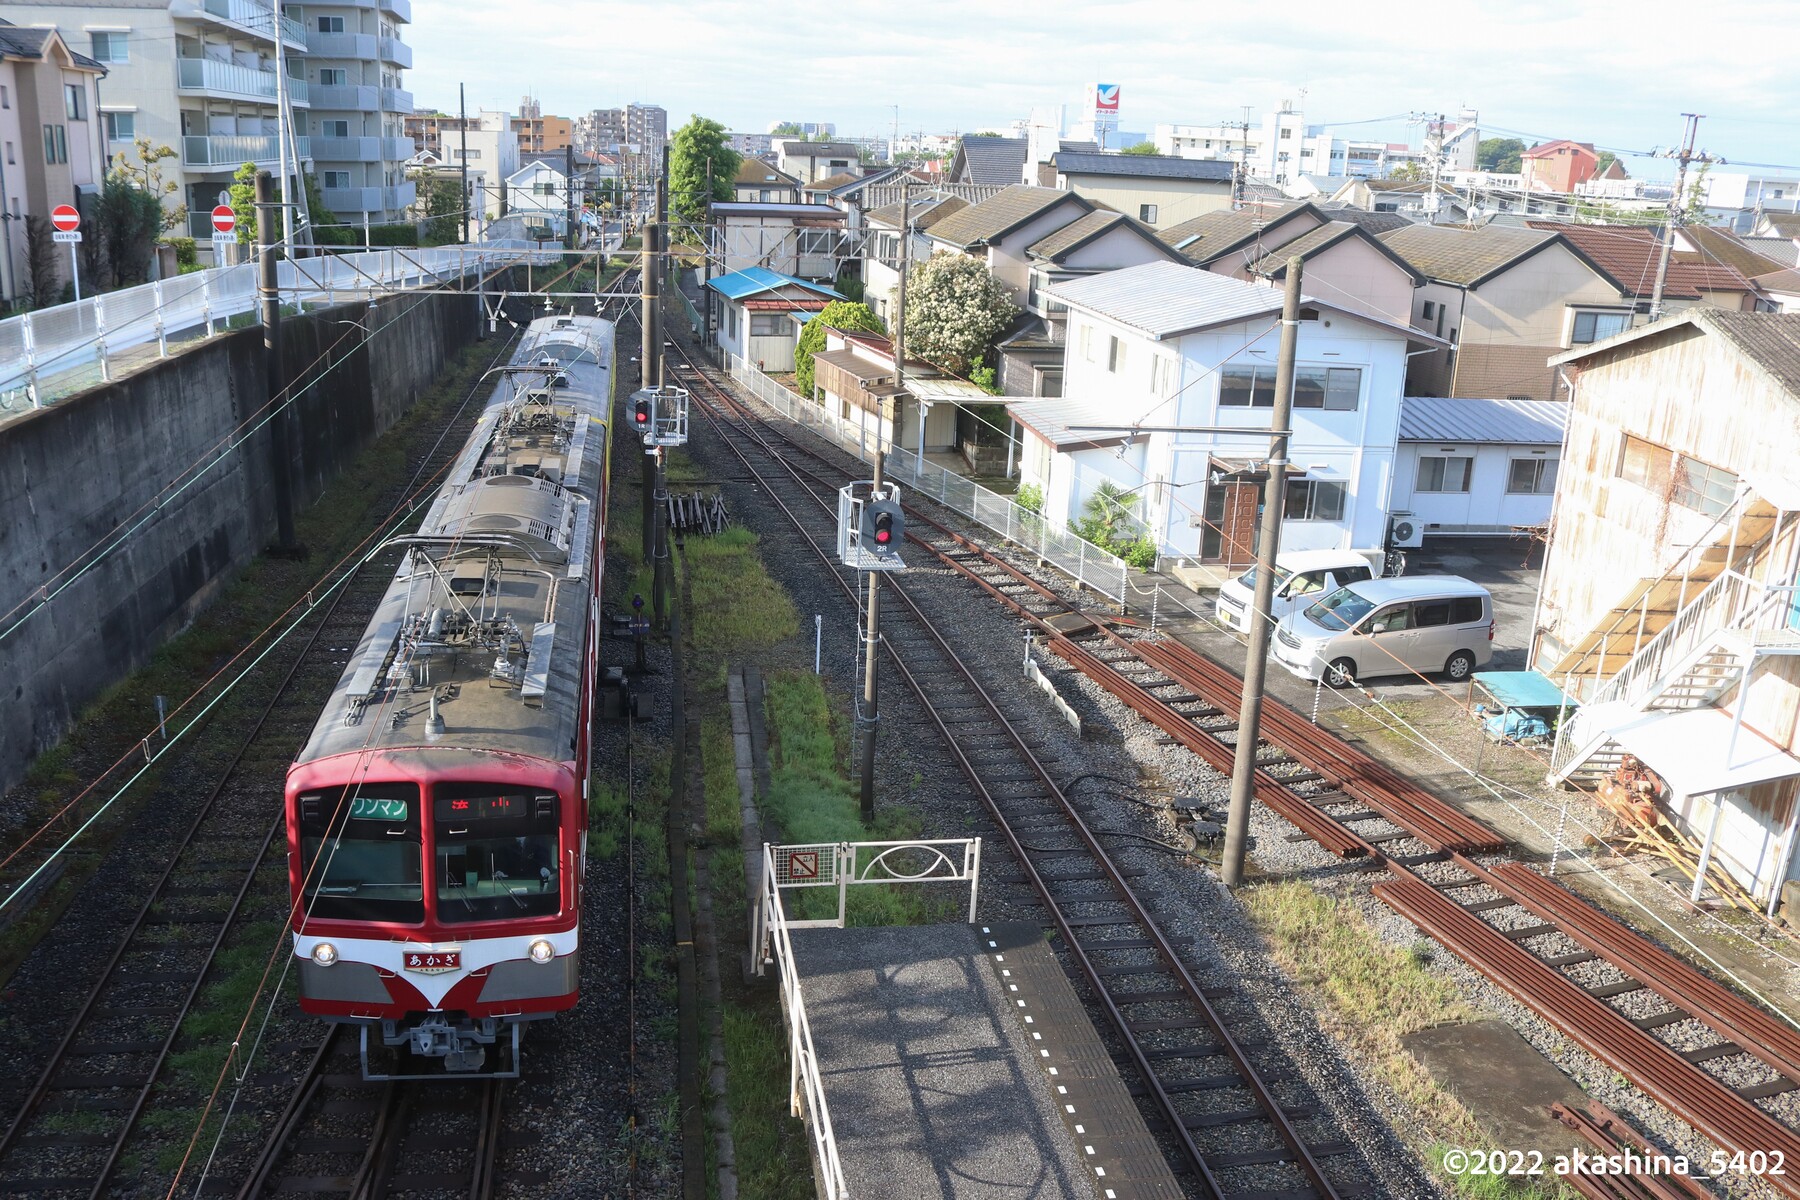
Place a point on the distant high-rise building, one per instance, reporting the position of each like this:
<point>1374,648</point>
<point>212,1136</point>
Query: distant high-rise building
<point>602,131</point>
<point>646,127</point>
<point>529,108</point>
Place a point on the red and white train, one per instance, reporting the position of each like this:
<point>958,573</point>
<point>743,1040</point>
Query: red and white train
<point>437,815</point>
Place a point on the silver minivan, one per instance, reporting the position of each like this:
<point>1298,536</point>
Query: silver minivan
<point>1420,623</point>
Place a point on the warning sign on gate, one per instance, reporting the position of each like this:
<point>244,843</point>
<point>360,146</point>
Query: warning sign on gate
<point>803,864</point>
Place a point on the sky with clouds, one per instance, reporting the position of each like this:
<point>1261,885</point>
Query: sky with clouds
<point>1618,74</point>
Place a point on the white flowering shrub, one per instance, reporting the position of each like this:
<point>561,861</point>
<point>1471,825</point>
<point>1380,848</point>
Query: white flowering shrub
<point>955,311</point>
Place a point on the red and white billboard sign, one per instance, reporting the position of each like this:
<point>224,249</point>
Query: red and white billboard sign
<point>224,220</point>
<point>65,218</point>
<point>1106,97</point>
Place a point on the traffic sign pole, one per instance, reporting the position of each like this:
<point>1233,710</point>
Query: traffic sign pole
<point>68,229</point>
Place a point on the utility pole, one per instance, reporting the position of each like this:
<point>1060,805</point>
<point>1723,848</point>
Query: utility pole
<point>872,632</point>
<point>706,253</point>
<point>268,288</point>
<point>649,363</point>
<point>1268,545</point>
<point>1434,146</point>
<point>1677,210</point>
<point>569,239</point>
<point>659,490</point>
<point>462,119</point>
<point>281,132</point>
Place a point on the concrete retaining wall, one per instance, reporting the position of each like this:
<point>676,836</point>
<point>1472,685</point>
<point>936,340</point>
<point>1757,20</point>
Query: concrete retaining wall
<point>75,476</point>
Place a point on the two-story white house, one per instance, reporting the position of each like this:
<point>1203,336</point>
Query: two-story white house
<point>1163,345</point>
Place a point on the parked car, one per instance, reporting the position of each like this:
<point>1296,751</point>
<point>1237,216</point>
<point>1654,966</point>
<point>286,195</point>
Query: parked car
<point>1425,624</point>
<point>1301,576</point>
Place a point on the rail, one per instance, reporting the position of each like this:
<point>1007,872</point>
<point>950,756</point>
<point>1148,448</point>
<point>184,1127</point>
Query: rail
<point>1090,566</point>
<point>52,353</point>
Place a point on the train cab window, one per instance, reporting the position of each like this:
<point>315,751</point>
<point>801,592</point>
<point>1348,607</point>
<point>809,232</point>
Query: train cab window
<point>498,853</point>
<point>361,849</point>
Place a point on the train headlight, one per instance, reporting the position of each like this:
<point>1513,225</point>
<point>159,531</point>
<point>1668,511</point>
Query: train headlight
<point>324,953</point>
<point>542,951</point>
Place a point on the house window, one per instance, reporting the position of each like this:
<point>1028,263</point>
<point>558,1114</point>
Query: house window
<point>56,145</point>
<point>1163,373</point>
<point>468,154</point>
<point>75,102</point>
<point>9,153</point>
<point>111,47</point>
<point>1086,339</point>
<point>1439,473</point>
<point>336,179</point>
<point>120,126</point>
<point>1703,487</point>
<point>1334,389</point>
<point>731,323</point>
<point>1598,326</point>
<point>767,324</point>
<point>334,129</point>
<point>1147,213</point>
<point>815,241</point>
<point>1314,500</point>
<point>1429,311</point>
<point>332,76</point>
<point>331,24</point>
<point>1247,387</point>
<point>5,97</point>
<point>1115,356</point>
<point>1531,477</point>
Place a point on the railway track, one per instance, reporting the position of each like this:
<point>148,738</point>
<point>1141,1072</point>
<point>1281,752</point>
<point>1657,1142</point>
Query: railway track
<point>1242,1127</point>
<point>1708,1056</point>
<point>70,1132</point>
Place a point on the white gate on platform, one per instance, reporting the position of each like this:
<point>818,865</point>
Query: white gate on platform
<point>840,865</point>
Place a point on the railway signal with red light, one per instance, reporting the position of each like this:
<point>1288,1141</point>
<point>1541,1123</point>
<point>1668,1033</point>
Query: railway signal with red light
<point>641,414</point>
<point>883,528</point>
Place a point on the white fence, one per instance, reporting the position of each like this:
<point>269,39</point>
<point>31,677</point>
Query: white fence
<point>1090,566</point>
<point>839,865</point>
<point>55,352</point>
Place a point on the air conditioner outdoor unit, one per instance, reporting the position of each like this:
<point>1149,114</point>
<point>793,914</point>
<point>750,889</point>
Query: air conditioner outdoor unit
<point>1405,531</point>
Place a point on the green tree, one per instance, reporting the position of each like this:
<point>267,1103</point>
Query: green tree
<point>694,145</point>
<point>955,310</point>
<point>126,222</point>
<point>243,203</point>
<point>789,129</point>
<point>1607,159</point>
<point>839,314</point>
<point>146,175</point>
<point>1500,155</point>
<point>1141,148</point>
<point>1409,172</point>
<point>440,206</point>
<point>1109,520</point>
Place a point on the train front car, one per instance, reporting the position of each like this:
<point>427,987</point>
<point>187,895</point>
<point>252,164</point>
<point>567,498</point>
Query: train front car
<point>437,815</point>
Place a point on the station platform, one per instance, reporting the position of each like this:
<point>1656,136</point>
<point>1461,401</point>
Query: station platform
<point>959,1062</point>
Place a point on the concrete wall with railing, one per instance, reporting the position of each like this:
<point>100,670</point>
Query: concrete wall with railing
<point>125,508</point>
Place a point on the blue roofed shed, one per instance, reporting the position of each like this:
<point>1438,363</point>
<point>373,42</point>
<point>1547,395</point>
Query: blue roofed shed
<point>757,311</point>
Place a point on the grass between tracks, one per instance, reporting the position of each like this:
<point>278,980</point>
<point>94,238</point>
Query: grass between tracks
<point>1371,996</point>
<point>245,606</point>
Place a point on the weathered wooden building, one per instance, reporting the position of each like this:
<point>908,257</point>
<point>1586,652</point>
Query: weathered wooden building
<point>1668,602</point>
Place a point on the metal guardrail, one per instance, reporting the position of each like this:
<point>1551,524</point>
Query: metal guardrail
<point>1088,564</point>
<point>839,865</point>
<point>54,352</point>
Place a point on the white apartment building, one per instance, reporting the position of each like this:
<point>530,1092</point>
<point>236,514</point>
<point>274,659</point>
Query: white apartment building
<point>1281,147</point>
<point>354,60</point>
<point>200,76</point>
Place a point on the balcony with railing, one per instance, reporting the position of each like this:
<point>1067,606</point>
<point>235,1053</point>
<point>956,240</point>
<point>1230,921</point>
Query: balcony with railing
<point>234,81</point>
<point>364,46</point>
<point>361,97</point>
<point>362,149</point>
<point>257,18</point>
<point>350,200</point>
<point>232,150</point>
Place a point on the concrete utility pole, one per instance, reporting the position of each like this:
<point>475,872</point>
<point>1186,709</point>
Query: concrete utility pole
<point>1434,146</point>
<point>570,241</point>
<point>659,491</point>
<point>1268,545</point>
<point>649,363</point>
<point>872,630</point>
<point>1677,211</point>
<point>268,288</point>
<point>706,253</point>
<point>462,114</point>
<point>281,132</point>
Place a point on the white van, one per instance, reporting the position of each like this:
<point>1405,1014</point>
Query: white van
<point>1420,623</point>
<point>1301,576</point>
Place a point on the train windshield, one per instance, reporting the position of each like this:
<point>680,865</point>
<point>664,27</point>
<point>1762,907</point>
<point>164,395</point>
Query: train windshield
<point>361,849</point>
<point>497,852</point>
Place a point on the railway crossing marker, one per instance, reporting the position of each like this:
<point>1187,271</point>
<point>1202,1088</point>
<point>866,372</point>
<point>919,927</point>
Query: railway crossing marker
<point>68,229</point>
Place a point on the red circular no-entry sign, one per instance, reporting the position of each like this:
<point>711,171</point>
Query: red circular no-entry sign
<point>65,218</point>
<point>224,219</point>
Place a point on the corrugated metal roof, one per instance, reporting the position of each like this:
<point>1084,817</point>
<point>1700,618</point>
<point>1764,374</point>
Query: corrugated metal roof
<point>1465,419</point>
<point>1164,298</point>
<point>752,280</point>
<point>1050,420</point>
